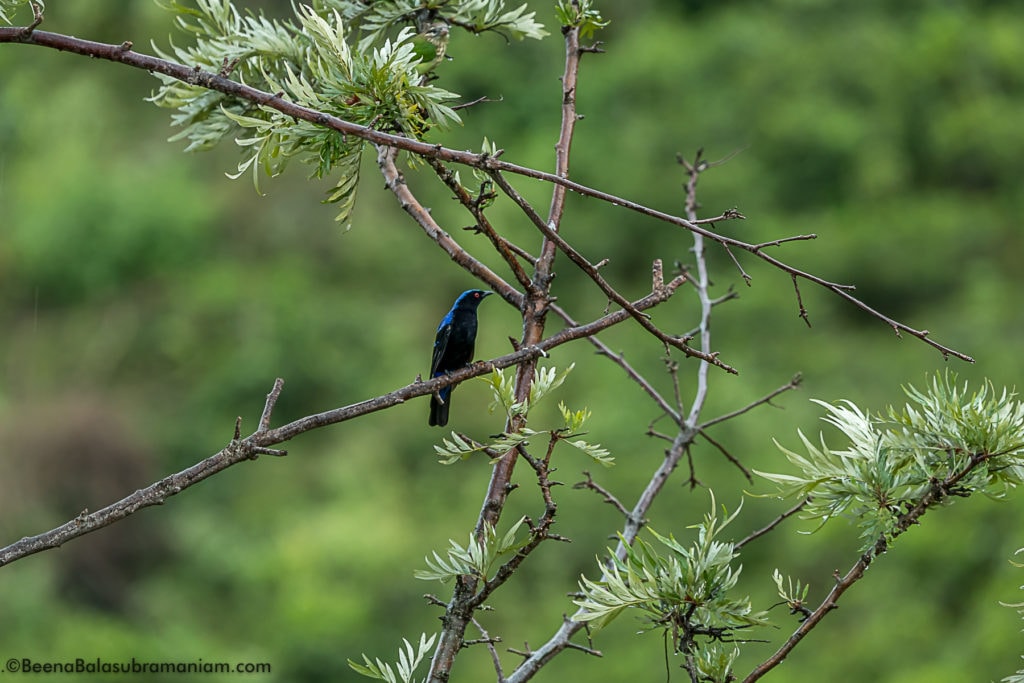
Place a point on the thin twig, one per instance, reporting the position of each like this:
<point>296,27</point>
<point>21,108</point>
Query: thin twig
<point>774,523</point>
<point>473,103</point>
<point>268,407</point>
<point>800,303</point>
<point>500,244</point>
<point>728,215</point>
<point>37,18</point>
<point>793,238</point>
<point>621,361</point>
<point>607,495</point>
<point>552,237</point>
<point>728,456</point>
<point>746,276</point>
<point>767,398</point>
<point>487,640</point>
<point>672,367</point>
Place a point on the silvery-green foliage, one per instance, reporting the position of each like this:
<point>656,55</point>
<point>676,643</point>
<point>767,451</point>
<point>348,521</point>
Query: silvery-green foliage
<point>685,590</point>
<point>581,14</point>
<point>477,558</point>
<point>310,59</point>
<point>478,16</point>
<point>9,7</point>
<point>502,383</point>
<point>894,459</point>
<point>404,668</point>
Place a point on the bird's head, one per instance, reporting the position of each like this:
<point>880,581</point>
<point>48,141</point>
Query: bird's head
<point>436,32</point>
<point>471,298</point>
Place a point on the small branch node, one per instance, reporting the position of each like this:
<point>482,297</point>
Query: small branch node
<point>433,600</point>
<point>800,302</point>
<point>227,66</point>
<point>657,277</point>
<point>277,452</point>
<point>268,407</point>
<point>37,18</point>
<point>589,483</point>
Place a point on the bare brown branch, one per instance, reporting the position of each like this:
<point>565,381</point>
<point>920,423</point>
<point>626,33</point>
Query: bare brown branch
<point>552,237</point>
<point>261,441</point>
<point>507,250</point>
<point>395,182</point>
<point>621,361</point>
<point>788,386</point>
<point>607,495</point>
<point>774,523</point>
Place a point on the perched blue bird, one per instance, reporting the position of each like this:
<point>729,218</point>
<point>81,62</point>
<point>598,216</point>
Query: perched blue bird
<point>453,348</point>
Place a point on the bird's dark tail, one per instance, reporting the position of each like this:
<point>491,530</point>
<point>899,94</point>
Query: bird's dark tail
<point>439,411</point>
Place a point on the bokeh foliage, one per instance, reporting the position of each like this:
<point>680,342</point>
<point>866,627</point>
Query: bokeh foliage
<point>139,284</point>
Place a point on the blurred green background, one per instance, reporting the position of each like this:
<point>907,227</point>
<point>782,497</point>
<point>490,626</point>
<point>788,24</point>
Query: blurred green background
<point>146,301</point>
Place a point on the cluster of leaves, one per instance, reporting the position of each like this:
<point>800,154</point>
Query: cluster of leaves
<point>1018,677</point>
<point>477,558</point>
<point>964,443</point>
<point>793,594</point>
<point>8,7</point>
<point>684,591</point>
<point>545,380</point>
<point>581,14</point>
<point>408,660</point>
<point>478,16</point>
<point>311,61</point>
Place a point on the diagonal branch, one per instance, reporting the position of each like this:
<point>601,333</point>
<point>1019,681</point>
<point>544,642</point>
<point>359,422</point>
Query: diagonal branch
<point>259,442</point>
<point>506,249</point>
<point>621,361</point>
<point>214,81</point>
<point>238,450</point>
<point>938,491</point>
<point>551,236</point>
<point>395,182</point>
<point>772,524</point>
<point>767,398</point>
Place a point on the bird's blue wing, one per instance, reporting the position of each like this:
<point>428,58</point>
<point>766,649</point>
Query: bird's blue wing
<point>440,344</point>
